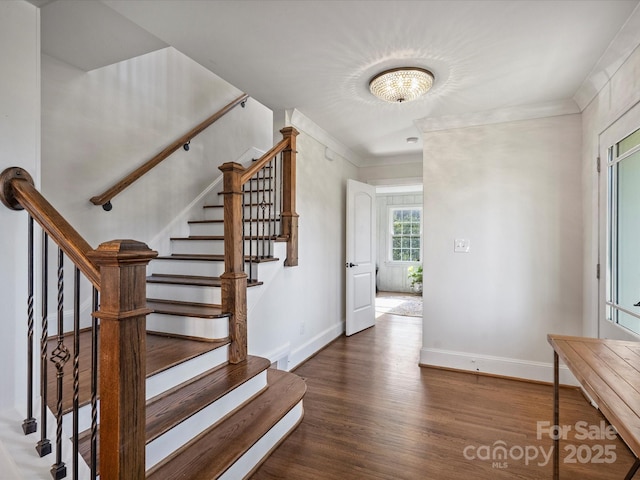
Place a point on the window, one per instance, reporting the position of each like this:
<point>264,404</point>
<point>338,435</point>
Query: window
<point>623,233</point>
<point>406,234</point>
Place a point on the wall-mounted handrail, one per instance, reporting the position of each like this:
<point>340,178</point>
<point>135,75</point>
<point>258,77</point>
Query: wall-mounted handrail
<point>105,198</point>
<point>17,192</point>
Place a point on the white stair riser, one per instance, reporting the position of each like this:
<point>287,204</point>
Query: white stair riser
<point>156,384</point>
<point>249,212</point>
<point>263,227</point>
<point>201,268</point>
<point>184,293</point>
<point>163,381</point>
<point>211,247</point>
<point>213,213</point>
<point>164,445</point>
<point>209,328</point>
<point>261,449</point>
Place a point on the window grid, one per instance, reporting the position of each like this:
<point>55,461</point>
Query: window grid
<point>406,234</point>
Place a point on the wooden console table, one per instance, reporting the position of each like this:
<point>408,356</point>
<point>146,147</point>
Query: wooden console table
<point>609,371</point>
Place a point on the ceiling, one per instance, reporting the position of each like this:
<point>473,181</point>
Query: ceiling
<point>490,58</point>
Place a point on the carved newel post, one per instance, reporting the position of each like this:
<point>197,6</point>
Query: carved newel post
<point>122,313</point>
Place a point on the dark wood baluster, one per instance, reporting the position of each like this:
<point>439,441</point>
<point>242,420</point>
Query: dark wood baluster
<point>94,387</point>
<point>59,357</point>
<point>44,445</point>
<point>76,368</point>
<point>29,425</point>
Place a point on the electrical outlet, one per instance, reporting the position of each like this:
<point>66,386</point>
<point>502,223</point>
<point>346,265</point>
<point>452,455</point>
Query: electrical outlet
<point>461,245</point>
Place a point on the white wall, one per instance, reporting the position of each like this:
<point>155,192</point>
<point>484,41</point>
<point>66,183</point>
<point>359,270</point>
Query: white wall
<point>618,94</point>
<point>304,308</point>
<point>392,276</point>
<point>395,172</point>
<point>513,190</point>
<point>19,146</point>
<point>98,126</point>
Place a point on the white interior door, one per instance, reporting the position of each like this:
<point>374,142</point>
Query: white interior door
<point>361,257</point>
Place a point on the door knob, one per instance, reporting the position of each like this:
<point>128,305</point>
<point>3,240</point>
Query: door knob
<point>350,265</point>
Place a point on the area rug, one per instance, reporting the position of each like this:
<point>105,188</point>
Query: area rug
<point>408,306</point>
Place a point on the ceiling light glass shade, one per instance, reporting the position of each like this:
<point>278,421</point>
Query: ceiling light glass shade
<point>401,84</point>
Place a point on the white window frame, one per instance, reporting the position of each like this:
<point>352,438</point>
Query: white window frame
<point>619,130</point>
<point>390,211</point>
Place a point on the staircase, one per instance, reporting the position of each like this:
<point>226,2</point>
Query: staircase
<point>205,417</point>
<point>180,397</point>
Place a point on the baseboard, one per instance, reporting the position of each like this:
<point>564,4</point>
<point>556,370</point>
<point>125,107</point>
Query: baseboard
<point>314,345</point>
<point>502,366</point>
<point>278,356</point>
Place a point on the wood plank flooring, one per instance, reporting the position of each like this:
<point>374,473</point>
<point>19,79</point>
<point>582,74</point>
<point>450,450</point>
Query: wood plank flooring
<point>372,413</point>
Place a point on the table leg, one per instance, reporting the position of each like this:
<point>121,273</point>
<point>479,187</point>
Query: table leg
<point>634,469</point>
<point>556,416</point>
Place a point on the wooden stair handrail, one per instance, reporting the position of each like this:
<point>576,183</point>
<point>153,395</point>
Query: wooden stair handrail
<point>234,278</point>
<point>263,160</point>
<point>17,192</point>
<point>104,198</point>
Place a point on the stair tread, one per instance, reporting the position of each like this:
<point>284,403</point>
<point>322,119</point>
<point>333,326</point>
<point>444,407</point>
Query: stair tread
<point>221,237</point>
<point>246,205</point>
<point>212,258</point>
<point>162,353</point>
<point>200,222</point>
<point>174,406</point>
<point>186,309</point>
<point>193,280</point>
<point>215,450</point>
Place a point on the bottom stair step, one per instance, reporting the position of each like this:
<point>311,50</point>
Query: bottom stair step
<point>186,401</point>
<point>233,448</point>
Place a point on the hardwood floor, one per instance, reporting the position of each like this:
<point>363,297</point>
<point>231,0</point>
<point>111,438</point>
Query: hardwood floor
<point>372,413</point>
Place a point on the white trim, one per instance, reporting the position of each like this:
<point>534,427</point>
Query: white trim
<point>389,255</point>
<point>279,355</point>
<point>317,343</point>
<point>502,115</point>
<point>507,367</point>
<point>619,50</point>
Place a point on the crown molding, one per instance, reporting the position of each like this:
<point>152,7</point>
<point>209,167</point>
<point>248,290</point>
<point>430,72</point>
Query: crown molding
<point>626,41</point>
<point>502,115</point>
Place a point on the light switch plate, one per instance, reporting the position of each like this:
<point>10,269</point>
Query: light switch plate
<point>461,245</point>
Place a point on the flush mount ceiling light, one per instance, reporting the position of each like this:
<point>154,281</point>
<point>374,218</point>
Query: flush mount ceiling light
<point>401,84</point>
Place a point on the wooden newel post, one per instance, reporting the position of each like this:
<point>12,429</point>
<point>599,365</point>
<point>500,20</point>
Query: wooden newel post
<point>288,216</point>
<point>234,279</point>
<point>122,313</point>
